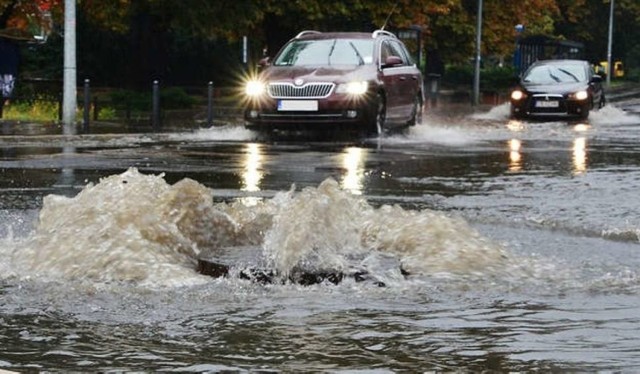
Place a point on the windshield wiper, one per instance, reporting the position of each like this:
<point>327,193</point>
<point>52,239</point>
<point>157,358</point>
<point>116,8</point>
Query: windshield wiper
<point>333,47</point>
<point>360,59</point>
<point>569,74</point>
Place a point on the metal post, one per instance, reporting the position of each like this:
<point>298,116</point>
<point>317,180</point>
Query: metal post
<point>87,105</point>
<point>245,51</point>
<point>476,75</point>
<point>609,60</point>
<point>69,101</point>
<point>210,104</point>
<point>155,110</point>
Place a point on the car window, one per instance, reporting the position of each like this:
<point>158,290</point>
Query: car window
<point>392,48</point>
<point>326,52</point>
<point>549,74</point>
<point>404,54</point>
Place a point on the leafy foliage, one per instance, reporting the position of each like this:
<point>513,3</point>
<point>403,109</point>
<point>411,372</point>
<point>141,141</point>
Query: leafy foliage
<point>146,39</point>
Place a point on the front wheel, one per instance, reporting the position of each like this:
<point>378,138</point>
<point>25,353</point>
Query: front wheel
<point>416,113</point>
<point>603,102</point>
<point>377,123</point>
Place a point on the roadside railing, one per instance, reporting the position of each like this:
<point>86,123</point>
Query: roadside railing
<point>207,106</point>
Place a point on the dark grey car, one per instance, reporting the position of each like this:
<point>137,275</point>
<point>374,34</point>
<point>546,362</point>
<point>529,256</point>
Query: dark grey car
<point>554,88</point>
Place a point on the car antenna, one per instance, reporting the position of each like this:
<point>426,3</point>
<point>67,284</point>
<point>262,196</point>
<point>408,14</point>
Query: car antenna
<point>389,16</point>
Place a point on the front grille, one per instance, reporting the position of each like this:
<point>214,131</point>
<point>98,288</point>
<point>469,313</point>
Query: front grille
<point>309,90</point>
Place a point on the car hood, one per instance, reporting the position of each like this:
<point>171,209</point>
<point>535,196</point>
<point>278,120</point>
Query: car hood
<point>560,88</point>
<point>318,73</point>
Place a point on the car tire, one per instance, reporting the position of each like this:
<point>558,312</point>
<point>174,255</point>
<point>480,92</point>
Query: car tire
<point>416,114</point>
<point>585,113</point>
<point>379,116</point>
<point>603,102</point>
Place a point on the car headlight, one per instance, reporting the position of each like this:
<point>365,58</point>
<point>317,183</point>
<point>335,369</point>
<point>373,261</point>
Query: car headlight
<point>353,88</point>
<point>517,95</point>
<point>255,88</point>
<point>581,95</point>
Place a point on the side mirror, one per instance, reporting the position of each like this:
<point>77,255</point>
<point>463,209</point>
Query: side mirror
<point>392,61</point>
<point>596,78</point>
<point>264,62</point>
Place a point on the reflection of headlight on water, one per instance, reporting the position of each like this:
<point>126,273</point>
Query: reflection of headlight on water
<point>353,162</point>
<point>515,125</point>
<point>252,176</point>
<point>580,155</point>
<point>581,127</point>
<point>515,158</point>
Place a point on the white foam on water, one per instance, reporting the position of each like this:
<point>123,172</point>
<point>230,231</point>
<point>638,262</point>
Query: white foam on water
<point>225,133</point>
<point>610,115</point>
<point>138,229</point>
<point>435,134</point>
<point>329,224</point>
<point>497,113</point>
<point>129,227</point>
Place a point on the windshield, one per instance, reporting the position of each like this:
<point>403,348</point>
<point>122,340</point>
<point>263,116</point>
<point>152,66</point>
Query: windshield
<point>326,52</point>
<point>549,74</point>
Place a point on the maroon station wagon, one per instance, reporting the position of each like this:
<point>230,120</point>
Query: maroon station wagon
<point>339,81</point>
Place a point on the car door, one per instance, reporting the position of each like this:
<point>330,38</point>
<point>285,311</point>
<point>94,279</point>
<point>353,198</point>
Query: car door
<point>393,78</point>
<point>407,83</point>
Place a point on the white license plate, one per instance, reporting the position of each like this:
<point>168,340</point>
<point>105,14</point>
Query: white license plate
<point>547,104</point>
<point>298,105</point>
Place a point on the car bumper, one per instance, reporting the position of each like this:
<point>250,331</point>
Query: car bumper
<point>320,113</point>
<point>560,108</point>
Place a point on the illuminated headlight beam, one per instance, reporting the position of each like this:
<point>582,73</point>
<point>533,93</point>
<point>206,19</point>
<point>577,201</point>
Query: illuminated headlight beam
<point>517,95</point>
<point>581,95</point>
<point>353,88</point>
<point>254,88</point>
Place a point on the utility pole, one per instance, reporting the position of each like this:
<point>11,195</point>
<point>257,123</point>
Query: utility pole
<point>476,75</point>
<point>69,93</point>
<point>609,60</point>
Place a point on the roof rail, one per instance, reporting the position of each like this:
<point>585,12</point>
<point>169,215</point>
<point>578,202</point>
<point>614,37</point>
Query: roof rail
<point>307,32</point>
<point>377,33</point>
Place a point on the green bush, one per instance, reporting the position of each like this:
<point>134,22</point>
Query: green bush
<point>31,110</point>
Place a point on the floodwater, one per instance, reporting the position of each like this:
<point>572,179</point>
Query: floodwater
<point>490,244</point>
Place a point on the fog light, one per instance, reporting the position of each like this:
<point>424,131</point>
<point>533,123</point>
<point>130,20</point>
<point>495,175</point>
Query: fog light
<point>253,114</point>
<point>352,113</point>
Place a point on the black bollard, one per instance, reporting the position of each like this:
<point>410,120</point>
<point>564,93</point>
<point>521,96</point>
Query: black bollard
<point>210,104</point>
<point>87,106</point>
<point>155,115</point>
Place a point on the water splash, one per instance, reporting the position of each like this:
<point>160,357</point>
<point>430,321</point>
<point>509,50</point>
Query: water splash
<point>611,115</point>
<point>497,113</point>
<point>224,133</point>
<point>137,228</point>
<point>128,227</point>
<point>434,134</point>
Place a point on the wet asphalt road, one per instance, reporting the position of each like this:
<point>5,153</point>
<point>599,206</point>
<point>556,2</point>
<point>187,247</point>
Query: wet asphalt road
<point>559,195</point>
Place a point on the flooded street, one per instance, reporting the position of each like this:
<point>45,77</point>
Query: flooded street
<point>488,244</point>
